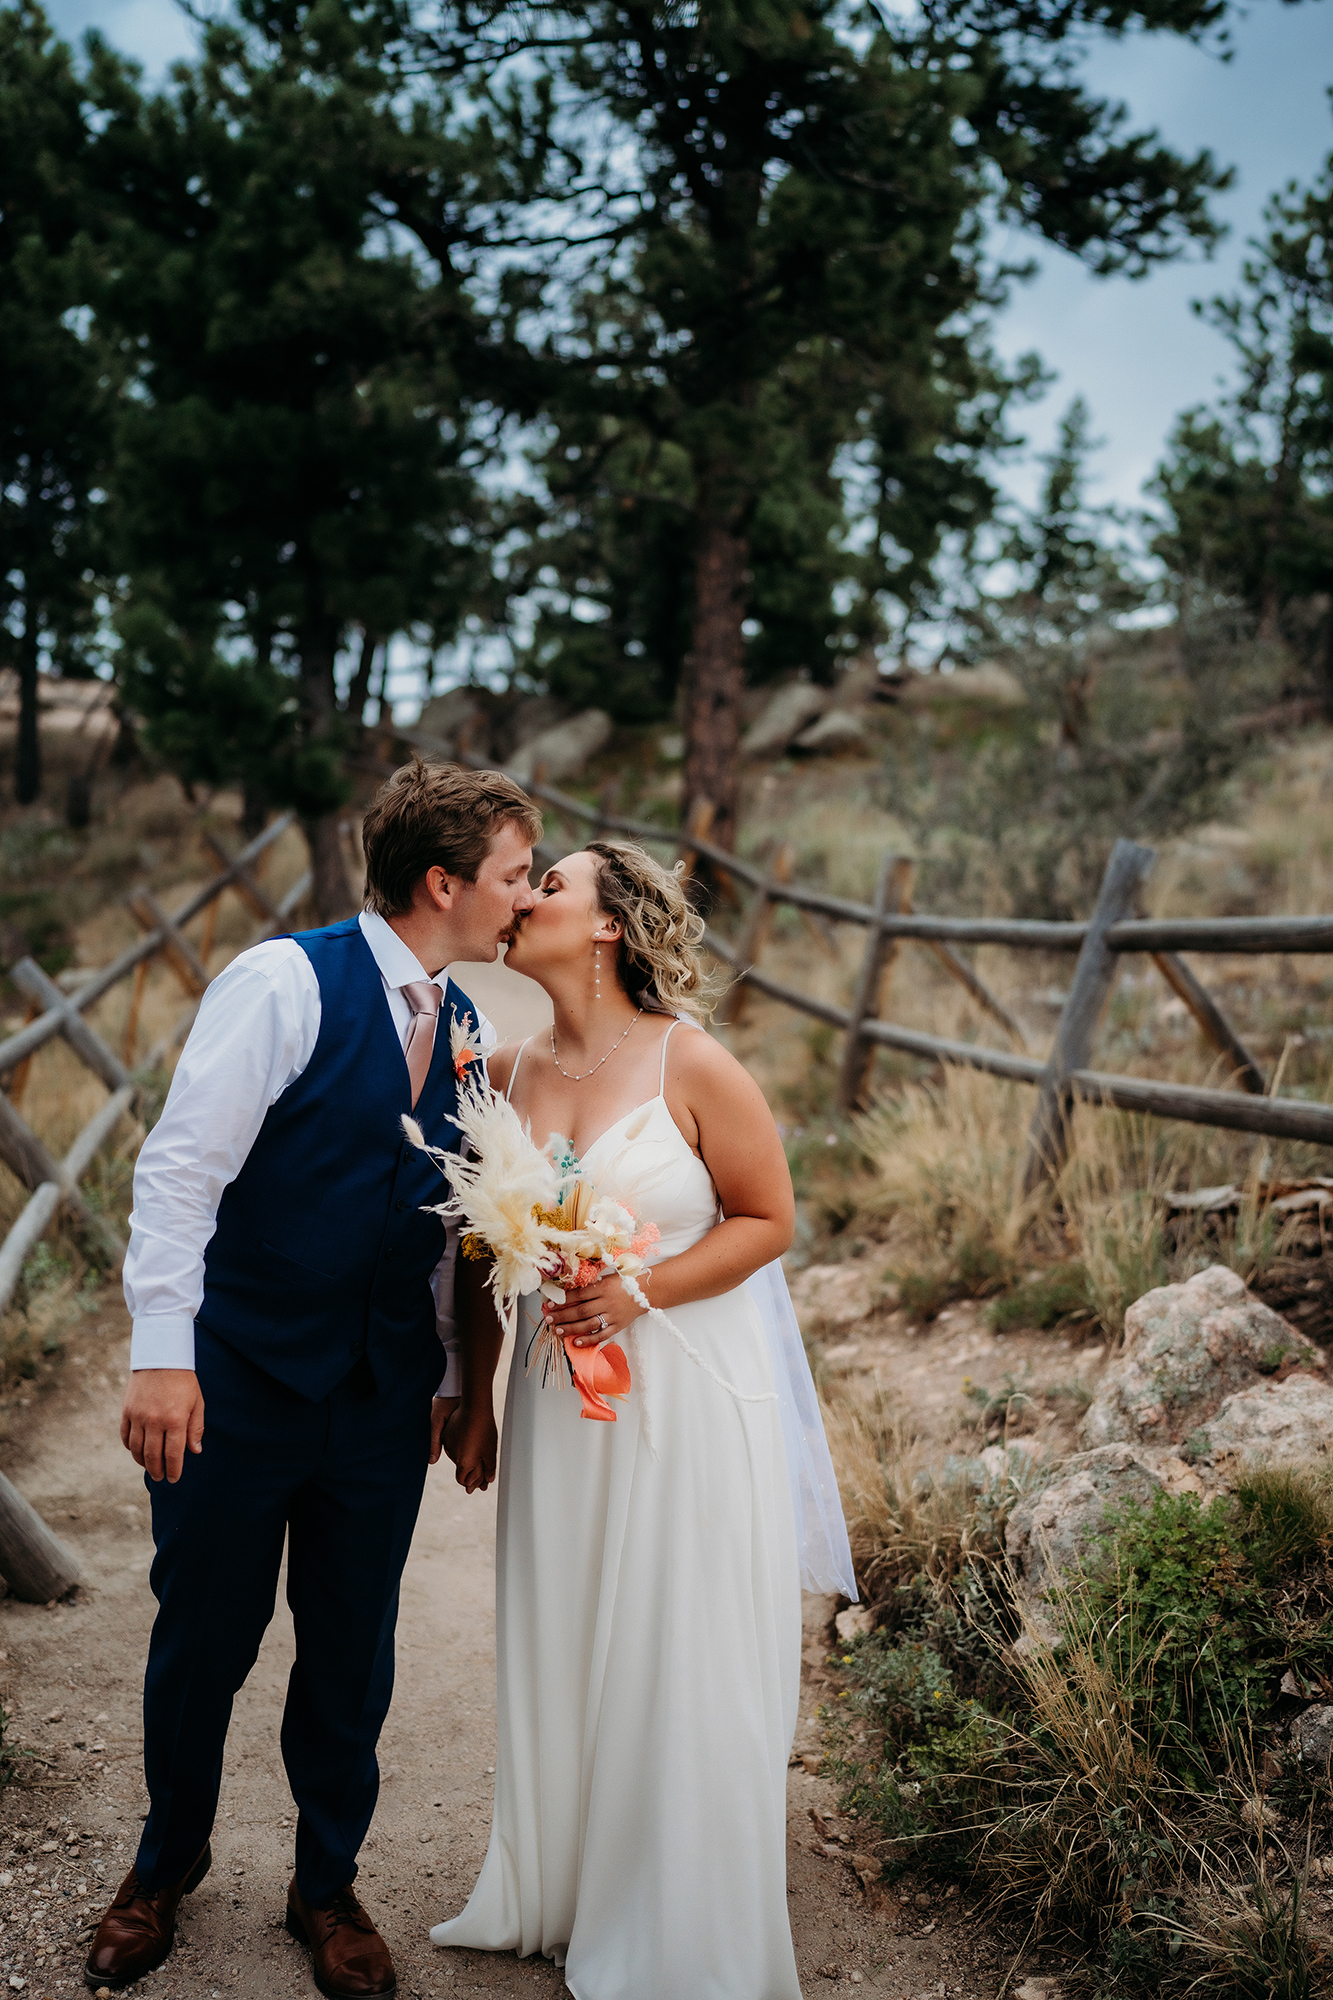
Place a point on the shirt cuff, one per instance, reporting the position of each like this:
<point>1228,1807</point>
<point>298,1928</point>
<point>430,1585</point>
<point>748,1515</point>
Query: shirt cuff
<point>452,1384</point>
<point>162,1340</point>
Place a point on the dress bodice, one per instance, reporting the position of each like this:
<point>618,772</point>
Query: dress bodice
<point>644,1161</point>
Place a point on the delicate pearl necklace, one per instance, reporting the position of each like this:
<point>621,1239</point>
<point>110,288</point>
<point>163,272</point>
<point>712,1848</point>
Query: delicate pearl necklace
<point>597,1065</point>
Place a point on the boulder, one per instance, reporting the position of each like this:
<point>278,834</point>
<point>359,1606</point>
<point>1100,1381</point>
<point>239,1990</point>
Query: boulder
<point>534,715</point>
<point>789,711</point>
<point>445,714</point>
<point>836,730</point>
<point>1312,1737</point>
<point>832,1295</point>
<point>1279,1422</point>
<point>563,751</point>
<point>1187,1348</point>
<point>991,685</point>
<point>1051,1532</point>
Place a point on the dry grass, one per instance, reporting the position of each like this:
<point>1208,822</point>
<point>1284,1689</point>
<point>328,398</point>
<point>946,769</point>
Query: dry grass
<point>911,1511</point>
<point>1083,1810</point>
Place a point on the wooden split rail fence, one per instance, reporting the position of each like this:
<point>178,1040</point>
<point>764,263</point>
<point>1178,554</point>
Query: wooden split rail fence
<point>1114,928</point>
<point>34,1563</point>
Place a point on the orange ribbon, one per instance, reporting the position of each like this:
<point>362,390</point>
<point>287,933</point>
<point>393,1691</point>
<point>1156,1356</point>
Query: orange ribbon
<point>598,1372</point>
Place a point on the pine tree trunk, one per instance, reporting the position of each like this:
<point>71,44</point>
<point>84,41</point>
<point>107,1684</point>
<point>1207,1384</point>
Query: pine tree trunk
<point>358,692</point>
<point>28,766</point>
<point>254,809</point>
<point>715,678</point>
<point>331,890</point>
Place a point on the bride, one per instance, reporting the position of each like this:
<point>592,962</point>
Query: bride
<point>648,1582</point>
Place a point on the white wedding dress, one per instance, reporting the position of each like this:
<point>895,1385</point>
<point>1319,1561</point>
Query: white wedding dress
<point>648,1645</point>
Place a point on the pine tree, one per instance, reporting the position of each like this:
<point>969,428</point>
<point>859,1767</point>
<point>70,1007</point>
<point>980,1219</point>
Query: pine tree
<point>56,391</point>
<point>296,463</point>
<point>1248,486</point>
<point>774,218</point>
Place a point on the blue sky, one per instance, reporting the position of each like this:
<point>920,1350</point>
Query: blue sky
<point>1134,350</point>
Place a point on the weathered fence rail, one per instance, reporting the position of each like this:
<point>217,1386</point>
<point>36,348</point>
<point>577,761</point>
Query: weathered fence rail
<point>1114,929</point>
<point>35,1563</point>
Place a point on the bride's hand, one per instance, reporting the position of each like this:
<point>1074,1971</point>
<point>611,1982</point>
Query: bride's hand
<point>597,1313</point>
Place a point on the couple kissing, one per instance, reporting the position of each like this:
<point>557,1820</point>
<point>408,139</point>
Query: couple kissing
<point>307,1343</point>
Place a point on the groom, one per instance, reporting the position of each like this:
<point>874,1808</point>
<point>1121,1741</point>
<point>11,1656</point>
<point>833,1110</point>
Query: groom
<point>287,1343</point>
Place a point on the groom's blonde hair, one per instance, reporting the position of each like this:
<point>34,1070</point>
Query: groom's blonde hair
<point>657,959</point>
<point>436,816</point>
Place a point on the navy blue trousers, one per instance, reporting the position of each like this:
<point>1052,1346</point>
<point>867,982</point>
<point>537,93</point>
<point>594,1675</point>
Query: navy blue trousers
<point>341,1480</point>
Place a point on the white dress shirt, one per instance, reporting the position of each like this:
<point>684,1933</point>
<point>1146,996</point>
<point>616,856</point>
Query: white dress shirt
<point>255,1032</point>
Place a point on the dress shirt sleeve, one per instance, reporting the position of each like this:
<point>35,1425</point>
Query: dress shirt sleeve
<point>442,1282</point>
<point>255,1033</point>
<point>442,1285</point>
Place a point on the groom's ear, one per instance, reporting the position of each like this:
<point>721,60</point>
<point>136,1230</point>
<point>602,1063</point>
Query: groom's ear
<point>438,889</point>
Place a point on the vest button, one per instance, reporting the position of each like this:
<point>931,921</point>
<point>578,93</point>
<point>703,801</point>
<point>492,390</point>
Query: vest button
<point>401,1206</point>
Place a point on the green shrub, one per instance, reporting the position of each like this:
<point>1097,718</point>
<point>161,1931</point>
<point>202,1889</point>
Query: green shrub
<point>1182,1604</point>
<point>1043,1301</point>
<point>971,1270</point>
<point>928,1738</point>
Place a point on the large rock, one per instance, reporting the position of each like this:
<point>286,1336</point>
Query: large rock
<point>990,685</point>
<point>1051,1533</point>
<point>791,709</point>
<point>837,730</point>
<point>1187,1348</point>
<point>563,751</point>
<point>832,1295</point>
<point>1312,1737</point>
<point>1282,1423</point>
<point>446,714</point>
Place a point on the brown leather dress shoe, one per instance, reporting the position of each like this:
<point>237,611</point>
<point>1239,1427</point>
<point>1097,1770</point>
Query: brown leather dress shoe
<point>139,1929</point>
<point>352,1961</point>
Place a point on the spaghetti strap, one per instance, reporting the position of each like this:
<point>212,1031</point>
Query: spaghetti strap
<point>661,1075</point>
<point>514,1071</point>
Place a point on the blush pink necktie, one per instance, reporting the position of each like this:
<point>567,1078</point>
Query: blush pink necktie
<point>423,996</point>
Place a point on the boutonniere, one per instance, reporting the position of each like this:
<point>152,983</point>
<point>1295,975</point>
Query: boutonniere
<point>464,1045</point>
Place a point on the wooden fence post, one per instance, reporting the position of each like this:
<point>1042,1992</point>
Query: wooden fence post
<point>1094,976</point>
<point>1217,1031</point>
<point>697,828</point>
<point>28,1159</point>
<point>177,950</point>
<point>85,1041</point>
<point>35,1564</point>
<point>755,935</point>
<point>136,1005</point>
<point>894,892</point>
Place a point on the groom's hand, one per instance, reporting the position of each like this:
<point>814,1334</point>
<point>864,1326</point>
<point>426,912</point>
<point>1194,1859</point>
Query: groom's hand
<point>163,1416</point>
<point>472,1443</point>
<point>441,1409</point>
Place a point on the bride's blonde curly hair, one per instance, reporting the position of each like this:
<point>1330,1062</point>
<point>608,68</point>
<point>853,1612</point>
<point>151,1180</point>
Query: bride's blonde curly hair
<point>657,959</point>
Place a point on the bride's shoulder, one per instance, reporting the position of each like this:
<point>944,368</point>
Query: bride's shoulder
<point>693,1055</point>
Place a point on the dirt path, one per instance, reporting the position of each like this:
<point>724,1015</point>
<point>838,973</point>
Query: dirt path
<point>70,1677</point>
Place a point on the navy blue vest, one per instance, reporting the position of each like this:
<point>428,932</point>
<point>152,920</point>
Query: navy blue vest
<point>322,1257</point>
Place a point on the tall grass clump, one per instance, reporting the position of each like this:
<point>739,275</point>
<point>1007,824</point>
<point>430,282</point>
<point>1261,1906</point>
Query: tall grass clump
<point>912,1515</point>
<point>947,1161</point>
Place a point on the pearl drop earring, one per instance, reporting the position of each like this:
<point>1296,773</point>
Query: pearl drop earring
<point>597,971</point>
